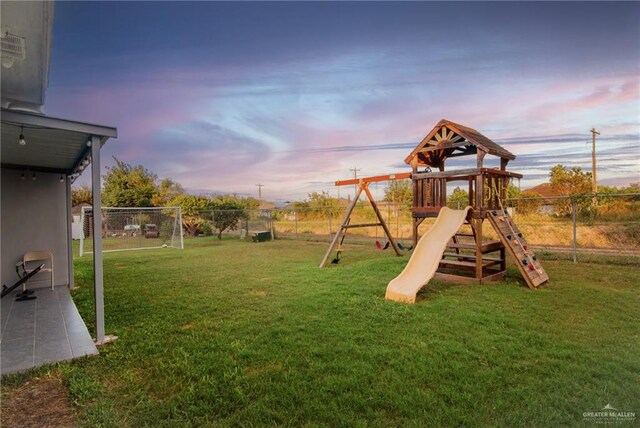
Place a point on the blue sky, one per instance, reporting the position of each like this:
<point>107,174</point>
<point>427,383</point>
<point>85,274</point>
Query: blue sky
<point>221,96</point>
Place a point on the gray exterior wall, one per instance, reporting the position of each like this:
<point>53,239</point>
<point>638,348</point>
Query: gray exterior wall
<point>33,217</point>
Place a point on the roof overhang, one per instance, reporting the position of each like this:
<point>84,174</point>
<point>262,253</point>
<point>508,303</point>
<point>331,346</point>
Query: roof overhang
<point>52,144</point>
<point>24,83</point>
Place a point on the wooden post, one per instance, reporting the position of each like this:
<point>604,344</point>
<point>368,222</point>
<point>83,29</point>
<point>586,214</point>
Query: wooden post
<point>347,215</point>
<point>574,210</point>
<point>478,233</point>
<point>416,224</point>
<point>479,192</point>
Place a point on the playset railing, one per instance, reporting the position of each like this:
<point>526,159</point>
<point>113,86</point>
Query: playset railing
<point>486,188</point>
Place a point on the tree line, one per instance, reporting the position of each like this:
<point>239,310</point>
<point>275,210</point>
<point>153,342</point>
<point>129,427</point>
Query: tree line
<point>125,185</point>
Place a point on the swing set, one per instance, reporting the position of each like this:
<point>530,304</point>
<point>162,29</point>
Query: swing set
<point>363,187</point>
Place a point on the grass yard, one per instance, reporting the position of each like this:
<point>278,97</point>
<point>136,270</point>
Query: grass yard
<point>233,333</point>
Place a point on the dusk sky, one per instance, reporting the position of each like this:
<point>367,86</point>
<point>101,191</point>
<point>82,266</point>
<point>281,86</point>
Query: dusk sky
<point>221,96</point>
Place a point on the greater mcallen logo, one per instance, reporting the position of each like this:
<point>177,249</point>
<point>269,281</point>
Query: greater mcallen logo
<point>609,415</point>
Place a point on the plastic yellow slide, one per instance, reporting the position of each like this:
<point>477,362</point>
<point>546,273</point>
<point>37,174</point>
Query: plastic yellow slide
<point>426,256</point>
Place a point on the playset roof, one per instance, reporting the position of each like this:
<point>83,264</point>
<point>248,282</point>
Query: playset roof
<point>449,139</point>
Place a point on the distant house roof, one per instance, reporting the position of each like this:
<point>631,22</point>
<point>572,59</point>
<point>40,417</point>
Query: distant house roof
<point>449,139</point>
<point>543,189</point>
<point>266,205</point>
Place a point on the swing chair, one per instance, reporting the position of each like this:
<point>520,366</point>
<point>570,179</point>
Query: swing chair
<point>379,246</point>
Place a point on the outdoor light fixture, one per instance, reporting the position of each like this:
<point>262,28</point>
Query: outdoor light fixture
<point>21,139</point>
<point>62,179</point>
<point>85,162</point>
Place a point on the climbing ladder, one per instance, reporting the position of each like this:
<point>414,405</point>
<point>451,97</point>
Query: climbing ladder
<point>529,265</point>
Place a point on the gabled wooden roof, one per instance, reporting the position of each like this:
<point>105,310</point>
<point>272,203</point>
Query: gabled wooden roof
<point>449,139</point>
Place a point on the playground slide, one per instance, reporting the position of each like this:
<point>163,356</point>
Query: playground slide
<point>426,256</point>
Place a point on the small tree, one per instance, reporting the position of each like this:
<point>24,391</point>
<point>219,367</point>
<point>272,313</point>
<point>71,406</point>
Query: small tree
<point>458,199</point>
<point>327,206</point>
<point>193,207</point>
<point>81,194</point>
<point>128,186</point>
<point>399,191</point>
<point>528,206</point>
<point>574,181</point>
<point>229,210</point>
<point>166,191</point>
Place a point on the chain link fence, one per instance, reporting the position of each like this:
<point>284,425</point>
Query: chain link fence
<point>581,226</point>
<point>572,227</point>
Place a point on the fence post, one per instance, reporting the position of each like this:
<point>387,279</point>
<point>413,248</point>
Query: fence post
<point>574,210</point>
<point>213,224</point>
<point>329,226</point>
<point>271,226</point>
<point>295,214</point>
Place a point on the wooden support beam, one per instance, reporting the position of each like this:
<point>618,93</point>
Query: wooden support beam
<point>479,191</point>
<point>503,164</point>
<point>468,151</point>
<point>443,146</point>
<point>463,174</point>
<point>416,224</point>
<point>481,154</point>
<point>374,179</point>
<point>345,222</point>
<point>477,230</point>
<point>349,226</point>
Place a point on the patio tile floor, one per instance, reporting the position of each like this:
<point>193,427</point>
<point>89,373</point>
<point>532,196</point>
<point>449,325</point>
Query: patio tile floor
<point>41,331</point>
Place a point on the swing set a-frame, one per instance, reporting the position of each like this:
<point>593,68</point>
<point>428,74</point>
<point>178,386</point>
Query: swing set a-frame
<point>362,187</point>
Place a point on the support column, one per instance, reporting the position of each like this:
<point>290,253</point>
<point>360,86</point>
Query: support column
<point>67,183</point>
<point>478,233</point>
<point>98,287</point>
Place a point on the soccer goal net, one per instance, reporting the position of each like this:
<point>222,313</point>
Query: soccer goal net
<point>133,228</point>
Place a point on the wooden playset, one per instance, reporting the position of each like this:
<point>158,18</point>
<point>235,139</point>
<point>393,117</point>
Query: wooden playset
<point>468,257</point>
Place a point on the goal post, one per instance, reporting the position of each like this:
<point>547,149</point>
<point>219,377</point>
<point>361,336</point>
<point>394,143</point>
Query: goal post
<point>126,228</point>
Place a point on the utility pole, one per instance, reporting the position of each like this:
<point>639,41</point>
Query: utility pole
<point>593,163</point>
<point>260,186</point>
<point>355,177</point>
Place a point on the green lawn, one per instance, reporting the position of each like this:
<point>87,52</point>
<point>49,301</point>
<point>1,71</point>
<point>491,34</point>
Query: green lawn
<point>234,333</point>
